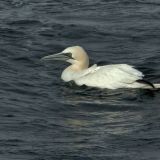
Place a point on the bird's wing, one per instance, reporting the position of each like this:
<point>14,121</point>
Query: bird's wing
<point>110,75</point>
<point>123,73</point>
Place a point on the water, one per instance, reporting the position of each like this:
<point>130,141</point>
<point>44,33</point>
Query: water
<point>41,117</point>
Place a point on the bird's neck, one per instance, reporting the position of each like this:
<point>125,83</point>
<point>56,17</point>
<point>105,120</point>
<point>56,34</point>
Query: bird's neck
<point>73,71</point>
<point>78,66</point>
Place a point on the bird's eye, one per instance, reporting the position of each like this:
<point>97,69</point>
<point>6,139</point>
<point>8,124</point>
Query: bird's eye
<point>69,55</point>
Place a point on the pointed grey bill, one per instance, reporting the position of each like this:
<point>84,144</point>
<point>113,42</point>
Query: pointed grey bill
<point>59,57</point>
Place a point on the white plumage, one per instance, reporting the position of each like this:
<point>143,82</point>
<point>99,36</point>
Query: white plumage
<point>109,76</point>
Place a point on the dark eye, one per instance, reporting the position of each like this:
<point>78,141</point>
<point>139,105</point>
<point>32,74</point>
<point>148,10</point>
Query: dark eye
<point>68,55</point>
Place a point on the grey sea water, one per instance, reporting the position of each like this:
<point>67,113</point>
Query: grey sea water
<point>41,117</point>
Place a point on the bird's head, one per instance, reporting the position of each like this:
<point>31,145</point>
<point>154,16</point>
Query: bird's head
<point>75,55</point>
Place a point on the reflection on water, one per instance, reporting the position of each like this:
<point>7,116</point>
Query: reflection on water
<point>111,112</point>
<point>116,123</point>
<point>73,95</point>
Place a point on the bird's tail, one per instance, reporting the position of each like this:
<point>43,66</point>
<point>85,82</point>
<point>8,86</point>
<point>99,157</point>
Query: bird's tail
<point>157,86</point>
<point>148,85</point>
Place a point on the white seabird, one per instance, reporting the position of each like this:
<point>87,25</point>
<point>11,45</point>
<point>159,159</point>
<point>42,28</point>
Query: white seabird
<point>109,76</point>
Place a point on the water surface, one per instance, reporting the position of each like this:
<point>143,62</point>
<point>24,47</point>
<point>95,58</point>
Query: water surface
<point>41,117</point>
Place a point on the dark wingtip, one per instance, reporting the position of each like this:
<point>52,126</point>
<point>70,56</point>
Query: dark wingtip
<point>145,82</point>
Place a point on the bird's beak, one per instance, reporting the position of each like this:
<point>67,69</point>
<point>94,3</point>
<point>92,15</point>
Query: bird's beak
<point>59,57</point>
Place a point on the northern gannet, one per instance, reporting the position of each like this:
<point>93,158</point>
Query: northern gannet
<point>112,76</point>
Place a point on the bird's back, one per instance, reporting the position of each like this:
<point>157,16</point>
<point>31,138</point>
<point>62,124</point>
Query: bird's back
<point>110,76</point>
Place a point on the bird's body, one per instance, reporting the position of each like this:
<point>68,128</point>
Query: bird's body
<point>109,76</point>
